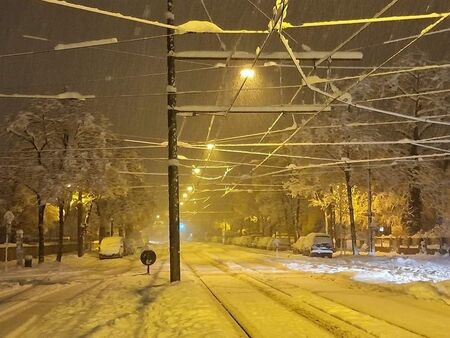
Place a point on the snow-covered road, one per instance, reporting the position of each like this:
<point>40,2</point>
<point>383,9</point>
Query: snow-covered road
<point>229,291</point>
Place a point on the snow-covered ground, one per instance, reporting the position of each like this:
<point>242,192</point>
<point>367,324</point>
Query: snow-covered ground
<point>396,269</point>
<point>227,291</point>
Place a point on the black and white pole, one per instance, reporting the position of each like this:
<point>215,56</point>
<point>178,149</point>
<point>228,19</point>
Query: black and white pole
<point>174,203</point>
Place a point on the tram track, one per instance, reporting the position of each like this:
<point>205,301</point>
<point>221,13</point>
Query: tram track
<point>222,305</point>
<point>317,298</point>
<point>307,323</point>
<point>339,320</point>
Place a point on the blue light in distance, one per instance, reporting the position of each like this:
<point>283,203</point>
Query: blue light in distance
<point>182,227</point>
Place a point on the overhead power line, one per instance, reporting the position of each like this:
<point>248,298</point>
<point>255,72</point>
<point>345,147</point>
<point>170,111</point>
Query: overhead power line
<point>217,30</point>
<point>341,94</point>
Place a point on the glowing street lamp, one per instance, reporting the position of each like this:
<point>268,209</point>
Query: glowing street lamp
<point>158,216</point>
<point>190,188</point>
<point>181,203</point>
<point>210,146</point>
<point>196,171</point>
<point>185,195</point>
<point>247,73</point>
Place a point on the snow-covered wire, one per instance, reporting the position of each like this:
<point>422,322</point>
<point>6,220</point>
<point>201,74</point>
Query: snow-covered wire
<point>356,83</point>
<point>355,34</point>
<point>218,30</point>
<point>410,37</point>
<point>385,98</point>
<point>299,144</point>
<point>348,161</point>
<point>265,154</point>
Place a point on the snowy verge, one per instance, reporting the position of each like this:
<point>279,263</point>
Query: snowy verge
<point>380,269</point>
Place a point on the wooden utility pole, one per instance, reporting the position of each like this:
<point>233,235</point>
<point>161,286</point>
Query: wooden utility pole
<point>174,205</point>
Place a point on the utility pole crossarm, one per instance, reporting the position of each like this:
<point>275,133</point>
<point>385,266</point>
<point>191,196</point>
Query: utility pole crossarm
<point>273,56</point>
<point>222,110</point>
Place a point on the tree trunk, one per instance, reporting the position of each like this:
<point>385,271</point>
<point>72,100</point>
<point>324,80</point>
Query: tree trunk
<point>413,215</point>
<point>88,214</point>
<point>287,219</point>
<point>41,210</point>
<point>79,224</point>
<point>350,210</point>
<point>332,222</point>
<point>297,219</point>
<point>101,227</point>
<point>327,221</point>
<point>61,231</point>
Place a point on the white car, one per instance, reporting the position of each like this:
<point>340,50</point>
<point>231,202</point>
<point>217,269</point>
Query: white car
<point>314,244</point>
<point>111,247</point>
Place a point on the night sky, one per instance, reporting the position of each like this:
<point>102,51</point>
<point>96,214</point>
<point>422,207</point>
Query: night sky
<point>129,78</point>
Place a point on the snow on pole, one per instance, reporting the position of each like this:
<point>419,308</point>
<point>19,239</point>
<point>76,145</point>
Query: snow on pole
<point>173,180</point>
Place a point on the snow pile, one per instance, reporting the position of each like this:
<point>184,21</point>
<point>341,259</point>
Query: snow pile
<point>397,270</point>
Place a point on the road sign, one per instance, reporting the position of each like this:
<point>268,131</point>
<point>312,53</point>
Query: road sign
<point>148,257</point>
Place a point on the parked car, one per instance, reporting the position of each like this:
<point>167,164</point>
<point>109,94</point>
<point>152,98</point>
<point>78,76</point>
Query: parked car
<point>255,241</point>
<point>262,242</point>
<point>314,244</point>
<point>236,240</point>
<point>113,247</point>
<point>246,241</point>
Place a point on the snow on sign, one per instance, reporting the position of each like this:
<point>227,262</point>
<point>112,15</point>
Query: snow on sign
<point>148,257</point>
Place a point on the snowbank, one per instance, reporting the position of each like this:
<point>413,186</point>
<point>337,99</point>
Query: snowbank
<point>380,269</point>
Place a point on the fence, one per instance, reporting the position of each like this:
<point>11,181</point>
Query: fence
<point>50,249</point>
<point>411,245</point>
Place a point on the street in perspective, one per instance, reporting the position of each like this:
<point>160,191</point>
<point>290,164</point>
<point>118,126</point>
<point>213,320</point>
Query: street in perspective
<point>239,168</point>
